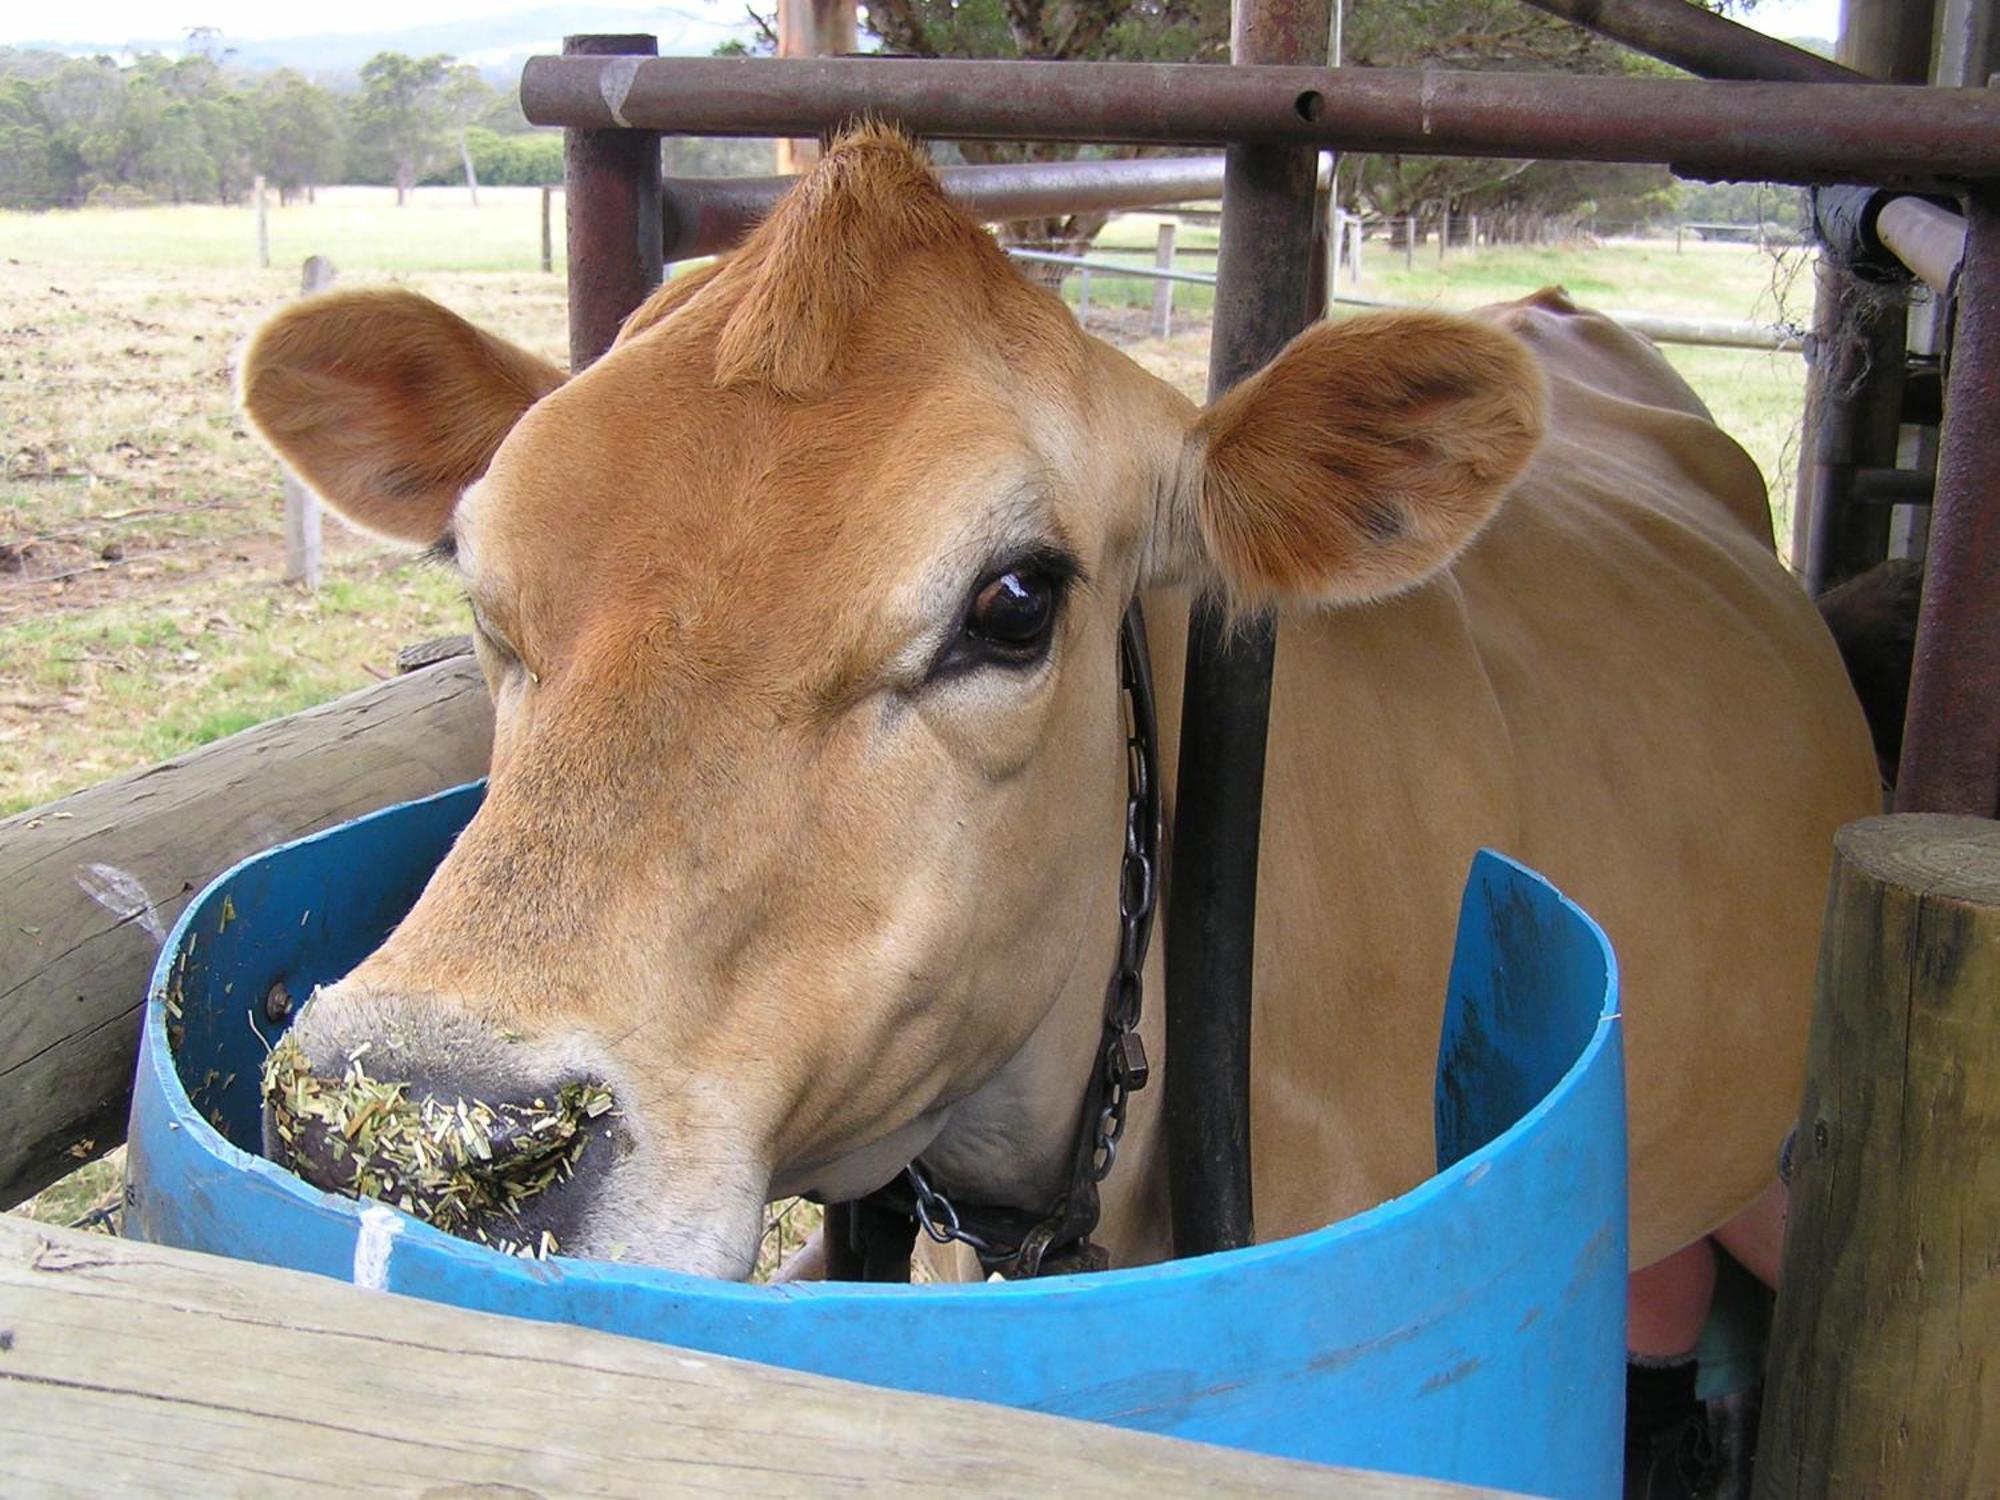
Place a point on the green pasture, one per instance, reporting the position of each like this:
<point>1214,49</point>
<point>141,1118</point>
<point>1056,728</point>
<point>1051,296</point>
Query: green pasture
<point>357,227</point>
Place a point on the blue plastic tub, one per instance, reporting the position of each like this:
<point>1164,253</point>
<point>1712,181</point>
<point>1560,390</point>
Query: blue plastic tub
<point>1471,1330</point>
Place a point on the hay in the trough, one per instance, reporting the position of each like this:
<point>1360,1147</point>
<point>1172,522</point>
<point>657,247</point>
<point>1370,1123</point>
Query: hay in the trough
<point>465,1166</point>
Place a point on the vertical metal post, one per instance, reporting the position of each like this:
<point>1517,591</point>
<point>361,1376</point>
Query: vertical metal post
<point>1951,734</point>
<point>1163,291</point>
<point>1854,387</point>
<point>611,198</point>
<point>1260,303</point>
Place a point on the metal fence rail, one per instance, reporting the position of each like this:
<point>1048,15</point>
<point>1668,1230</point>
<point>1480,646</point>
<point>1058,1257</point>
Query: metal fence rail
<point>1917,138</point>
<point>706,215</point>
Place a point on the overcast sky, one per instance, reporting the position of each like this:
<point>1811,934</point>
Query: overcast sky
<point>113,21</point>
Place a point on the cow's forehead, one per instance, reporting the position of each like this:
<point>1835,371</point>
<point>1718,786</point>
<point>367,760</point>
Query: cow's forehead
<point>826,538</point>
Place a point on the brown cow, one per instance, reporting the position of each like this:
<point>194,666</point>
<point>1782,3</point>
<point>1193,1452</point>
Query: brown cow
<point>800,613</point>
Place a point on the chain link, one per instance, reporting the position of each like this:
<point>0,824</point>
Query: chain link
<point>1121,1059</point>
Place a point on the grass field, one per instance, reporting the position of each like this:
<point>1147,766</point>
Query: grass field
<point>141,607</point>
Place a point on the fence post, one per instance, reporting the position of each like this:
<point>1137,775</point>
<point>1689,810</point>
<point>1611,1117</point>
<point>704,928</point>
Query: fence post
<point>1083,298</point>
<point>548,238</point>
<point>1679,230</point>
<point>1354,251</point>
<point>263,225</point>
<point>1163,291</point>
<point>1409,242</point>
<point>1887,1312</point>
<point>1444,229</point>
<point>611,200</point>
<point>1472,231</point>
<point>302,519</point>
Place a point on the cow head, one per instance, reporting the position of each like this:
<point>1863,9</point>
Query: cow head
<point>799,611</point>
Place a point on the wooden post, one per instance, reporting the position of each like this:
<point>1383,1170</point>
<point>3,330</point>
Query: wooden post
<point>302,510</point>
<point>1409,242</point>
<point>1882,1364</point>
<point>548,237</point>
<point>1679,230</point>
<point>1083,298</point>
<point>263,225</point>
<point>812,28</point>
<point>1444,229</point>
<point>1472,231</point>
<point>1163,291</point>
<point>1354,252</point>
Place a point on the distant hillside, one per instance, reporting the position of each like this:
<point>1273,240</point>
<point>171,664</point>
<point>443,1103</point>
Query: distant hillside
<point>496,44</point>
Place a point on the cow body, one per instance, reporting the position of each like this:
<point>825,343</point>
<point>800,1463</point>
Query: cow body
<point>1616,683</point>
<point>800,613</point>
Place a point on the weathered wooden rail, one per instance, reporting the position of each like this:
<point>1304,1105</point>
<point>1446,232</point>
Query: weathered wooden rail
<point>89,886</point>
<point>128,1369</point>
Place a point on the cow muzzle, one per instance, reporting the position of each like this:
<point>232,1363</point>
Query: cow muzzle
<point>446,1119</point>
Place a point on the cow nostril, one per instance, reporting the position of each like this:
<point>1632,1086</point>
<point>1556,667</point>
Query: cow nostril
<point>499,1172</point>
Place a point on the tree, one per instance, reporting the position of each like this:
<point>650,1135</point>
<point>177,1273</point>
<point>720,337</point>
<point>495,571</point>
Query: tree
<point>1069,30</point>
<point>400,115</point>
<point>1480,34</point>
<point>300,134</point>
<point>465,98</point>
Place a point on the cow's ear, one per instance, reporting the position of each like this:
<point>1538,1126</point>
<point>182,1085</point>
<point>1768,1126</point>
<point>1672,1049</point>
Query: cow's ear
<point>386,404</point>
<point>1358,462</point>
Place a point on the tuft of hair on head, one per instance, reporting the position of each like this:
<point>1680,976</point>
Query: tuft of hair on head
<point>827,251</point>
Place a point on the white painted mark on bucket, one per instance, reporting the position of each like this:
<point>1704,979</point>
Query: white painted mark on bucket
<point>119,892</point>
<point>614,83</point>
<point>379,1228</point>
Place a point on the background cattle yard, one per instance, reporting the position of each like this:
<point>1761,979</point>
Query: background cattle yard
<point>141,607</point>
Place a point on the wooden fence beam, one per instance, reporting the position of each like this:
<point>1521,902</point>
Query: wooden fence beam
<point>131,1369</point>
<point>90,886</point>
<point>1883,1355</point>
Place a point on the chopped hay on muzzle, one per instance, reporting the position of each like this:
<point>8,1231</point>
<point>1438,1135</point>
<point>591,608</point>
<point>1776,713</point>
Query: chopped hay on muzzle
<point>466,1167</point>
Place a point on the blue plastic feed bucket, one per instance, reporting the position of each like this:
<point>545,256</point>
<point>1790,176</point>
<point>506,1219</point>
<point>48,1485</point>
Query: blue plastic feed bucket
<point>1470,1330</point>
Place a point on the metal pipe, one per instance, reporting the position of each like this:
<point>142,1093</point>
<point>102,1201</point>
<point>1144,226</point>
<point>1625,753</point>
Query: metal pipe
<point>1110,267</point>
<point>611,200</point>
<point>1897,136</point>
<point>1892,487</point>
<point>1951,733</point>
<point>1268,215</point>
<point>1708,45</point>
<point>1928,239</point>
<point>707,215</point>
<point>1854,408</point>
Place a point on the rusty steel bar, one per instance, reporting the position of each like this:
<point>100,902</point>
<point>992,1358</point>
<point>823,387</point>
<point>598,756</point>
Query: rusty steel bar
<point>1708,45</point>
<point>1951,733</point>
<point>1904,137</point>
<point>1928,239</point>
<point>1261,301</point>
<point>611,200</point>
<point>706,215</point>
<point>1854,411</point>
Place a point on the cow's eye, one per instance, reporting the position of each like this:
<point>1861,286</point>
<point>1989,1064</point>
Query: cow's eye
<point>1015,610</point>
<point>1010,616</point>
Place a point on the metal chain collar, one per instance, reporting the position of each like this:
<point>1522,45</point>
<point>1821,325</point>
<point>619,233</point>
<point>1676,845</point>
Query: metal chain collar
<point>1015,1242</point>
